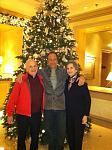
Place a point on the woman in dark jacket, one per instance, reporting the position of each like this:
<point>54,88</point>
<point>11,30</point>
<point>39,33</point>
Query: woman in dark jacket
<point>78,103</point>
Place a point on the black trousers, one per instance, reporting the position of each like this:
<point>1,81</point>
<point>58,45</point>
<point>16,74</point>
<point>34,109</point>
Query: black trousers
<point>75,132</point>
<point>25,124</point>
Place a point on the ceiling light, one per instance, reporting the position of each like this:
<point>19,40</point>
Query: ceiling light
<point>107,27</point>
<point>109,45</point>
<point>85,7</point>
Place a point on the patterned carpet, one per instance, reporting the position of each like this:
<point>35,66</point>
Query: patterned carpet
<point>99,138</point>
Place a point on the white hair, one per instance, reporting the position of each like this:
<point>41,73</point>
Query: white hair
<point>28,61</point>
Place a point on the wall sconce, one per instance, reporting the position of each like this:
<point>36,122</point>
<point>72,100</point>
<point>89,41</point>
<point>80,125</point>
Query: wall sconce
<point>2,148</point>
<point>89,59</point>
<point>89,67</point>
<point>1,60</point>
<point>9,69</point>
<point>109,78</point>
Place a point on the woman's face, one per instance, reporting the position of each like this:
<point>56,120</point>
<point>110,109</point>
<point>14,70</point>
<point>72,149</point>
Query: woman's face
<point>71,70</point>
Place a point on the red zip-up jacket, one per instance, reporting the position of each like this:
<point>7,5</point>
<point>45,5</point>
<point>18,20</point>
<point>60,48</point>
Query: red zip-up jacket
<point>20,98</point>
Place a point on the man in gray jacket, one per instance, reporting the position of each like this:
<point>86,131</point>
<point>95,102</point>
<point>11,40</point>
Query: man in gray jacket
<point>54,78</point>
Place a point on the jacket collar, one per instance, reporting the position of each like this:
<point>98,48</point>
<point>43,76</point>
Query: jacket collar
<point>49,69</point>
<point>25,76</point>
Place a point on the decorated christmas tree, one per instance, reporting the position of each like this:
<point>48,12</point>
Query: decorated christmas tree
<point>47,31</point>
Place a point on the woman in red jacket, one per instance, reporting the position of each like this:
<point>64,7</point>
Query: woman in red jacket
<point>27,99</point>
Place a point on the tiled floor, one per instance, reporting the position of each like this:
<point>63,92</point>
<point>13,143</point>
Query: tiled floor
<point>99,138</point>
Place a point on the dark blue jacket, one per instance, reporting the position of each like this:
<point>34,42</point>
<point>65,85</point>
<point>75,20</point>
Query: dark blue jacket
<point>77,99</point>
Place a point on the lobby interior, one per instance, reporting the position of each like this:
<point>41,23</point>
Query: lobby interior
<point>91,22</point>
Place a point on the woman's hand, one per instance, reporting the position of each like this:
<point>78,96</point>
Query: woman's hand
<point>81,80</point>
<point>84,120</point>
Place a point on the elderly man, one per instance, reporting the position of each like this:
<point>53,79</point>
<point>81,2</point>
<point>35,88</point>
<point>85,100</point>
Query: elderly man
<point>27,98</point>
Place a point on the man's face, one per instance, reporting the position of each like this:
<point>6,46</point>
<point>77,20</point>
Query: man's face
<point>52,61</point>
<point>31,67</point>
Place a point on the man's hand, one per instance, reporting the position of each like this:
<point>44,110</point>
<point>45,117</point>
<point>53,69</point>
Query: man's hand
<point>81,80</point>
<point>19,78</point>
<point>84,120</point>
<point>10,119</point>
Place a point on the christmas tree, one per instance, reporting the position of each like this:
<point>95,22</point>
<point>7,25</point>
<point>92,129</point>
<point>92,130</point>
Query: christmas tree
<point>48,31</point>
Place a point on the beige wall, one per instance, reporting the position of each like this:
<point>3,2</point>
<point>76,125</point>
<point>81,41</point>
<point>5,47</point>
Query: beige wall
<point>10,47</point>
<point>86,32</point>
<point>93,48</point>
<point>4,88</point>
<point>80,37</point>
<point>80,34</point>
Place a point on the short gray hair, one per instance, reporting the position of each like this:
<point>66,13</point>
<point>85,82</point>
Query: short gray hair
<point>76,65</point>
<point>29,60</point>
